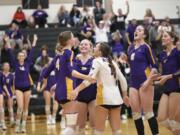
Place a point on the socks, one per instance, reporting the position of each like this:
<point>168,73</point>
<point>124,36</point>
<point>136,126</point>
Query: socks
<point>139,126</point>
<point>153,125</point>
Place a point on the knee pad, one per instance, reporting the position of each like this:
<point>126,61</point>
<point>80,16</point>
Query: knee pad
<point>136,115</point>
<point>165,123</point>
<point>19,111</point>
<point>148,115</point>
<point>174,125</point>
<point>71,119</point>
<point>68,131</point>
<point>118,132</point>
<point>96,132</point>
<point>25,113</point>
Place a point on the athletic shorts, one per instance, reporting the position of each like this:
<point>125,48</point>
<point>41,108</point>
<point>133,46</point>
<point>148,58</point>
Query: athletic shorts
<point>23,89</point>
<point>136,82</point>
<point>110,106</point>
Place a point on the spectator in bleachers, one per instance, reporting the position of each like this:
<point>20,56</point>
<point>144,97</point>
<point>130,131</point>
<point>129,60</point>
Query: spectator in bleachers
<point>42,59</point>
<point>63,17</point>
<point>31,22</point>
<point>155,38</point>
<point>118,20</point>
<point>98,12</point>
<point>4,50</point>
<point>130,31</point>
<point>19,18</point>
<point>101,32</point>
<point>87,31</point>
<point>40,17</point>
<point>75,16</point>
<point>85,15</point>
<point>149,15</point>
<point>15,36</point>
<point>107,20</point>
<point>117,46</point>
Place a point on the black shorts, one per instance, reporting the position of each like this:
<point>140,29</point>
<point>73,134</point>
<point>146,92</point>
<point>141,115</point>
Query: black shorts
<point>86,101</point>
<point>110,106</point>
<point>23,89</point>
<point>169,92</point>
<point>62,102</point>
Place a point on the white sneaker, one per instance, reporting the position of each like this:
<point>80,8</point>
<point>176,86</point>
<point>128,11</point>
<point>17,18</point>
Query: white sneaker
<point>18,129</point>
<point>23,129</point>
<point>49,120</point>
<point>53,121</point>
<point>12,123</point>
<point>124,117</point>
<point>4,127</point>
<point>63,123</point>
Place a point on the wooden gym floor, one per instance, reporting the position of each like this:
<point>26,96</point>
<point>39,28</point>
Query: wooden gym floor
<point>39,127</point>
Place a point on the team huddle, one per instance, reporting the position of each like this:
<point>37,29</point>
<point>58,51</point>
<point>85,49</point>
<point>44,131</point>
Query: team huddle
<point>92,85</point>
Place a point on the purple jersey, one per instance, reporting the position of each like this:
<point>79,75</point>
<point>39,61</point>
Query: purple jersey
<point>63,66</point>
<point>171,64</point>
<point>89,93</point>
<point>141,61</point>
<point>51,79</point>
<point>8,81</point>
<point>22,72</point>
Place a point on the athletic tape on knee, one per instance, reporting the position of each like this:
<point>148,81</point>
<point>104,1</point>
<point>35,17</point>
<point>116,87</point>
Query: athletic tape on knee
<point>118,132</point>
<point>68,131</point>
<point>25,113</point>
<point>136,115</point>
<point>96,132</point>
<point>165,123</point>
<point>71,119</point>
<point>174,125</point>
<point>148,115</point>
<point>19,111</point>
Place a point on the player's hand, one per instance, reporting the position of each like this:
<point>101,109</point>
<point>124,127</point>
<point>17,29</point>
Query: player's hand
<point>163,79</point>
<point>74,94</point>
<point>126,101</point>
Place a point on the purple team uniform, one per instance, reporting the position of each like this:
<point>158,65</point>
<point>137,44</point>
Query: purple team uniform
<point>141,62</point>
<point>51,79</point>
<point>170,65</point>
<point>23,80</point>
<point>8,81</point>
<point>89,93</point>
<point>1,86</point>
<point>63,66</point>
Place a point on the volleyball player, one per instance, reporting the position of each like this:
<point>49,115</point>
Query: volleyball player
<point>168,112</point>
<point>51,81</point>
<point>8,84</point>
<point>63,66</point>
<point>86,98</point>
<point>23,83</point>
<point>108,99</point>
<point>143,71</point>
<point>2,121</point>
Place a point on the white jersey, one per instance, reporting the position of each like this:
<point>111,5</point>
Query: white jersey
<point>108,92</point>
